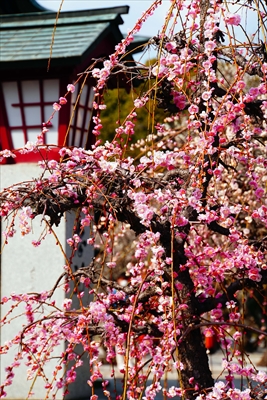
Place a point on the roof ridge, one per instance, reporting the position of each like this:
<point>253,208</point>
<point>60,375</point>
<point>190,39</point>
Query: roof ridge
<point>90,12</point>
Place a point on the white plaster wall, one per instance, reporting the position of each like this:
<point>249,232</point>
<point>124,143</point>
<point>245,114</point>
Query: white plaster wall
<point>24,269</point>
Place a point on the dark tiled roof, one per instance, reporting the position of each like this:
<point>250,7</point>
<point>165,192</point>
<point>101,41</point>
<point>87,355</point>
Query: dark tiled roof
<point>26,37</point>
<point>19,6</point>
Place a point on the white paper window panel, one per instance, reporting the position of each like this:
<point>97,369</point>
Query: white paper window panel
<point>30,91</point>
<point>51,137</point>
<point>91,98</point>
<point>32,134</point>
<point>80,111</point>
<point>77,138</point>
<point>82,100</point>
<point>51,90</point>
<point>84,139</point>
<point>17,137</point>
<point>83,95</point>
<point>70,136</point>
<point>73,98</point>
<point>10,91</point>
<point>88,118</point>
<point>80,115</point>
<point>77,109</point>
<point>54,121</point>
<point>33,115</point>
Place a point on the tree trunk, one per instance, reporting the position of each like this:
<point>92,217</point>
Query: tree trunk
<point>195,374</point>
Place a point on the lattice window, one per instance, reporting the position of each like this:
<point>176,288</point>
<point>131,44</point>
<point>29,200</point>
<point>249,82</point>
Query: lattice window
<point>28,104</point>
<point>79,129</point>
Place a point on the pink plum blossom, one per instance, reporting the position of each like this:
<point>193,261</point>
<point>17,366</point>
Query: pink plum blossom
<point>56,106</point>
<point>233,19</point>
<point>71,88</point>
